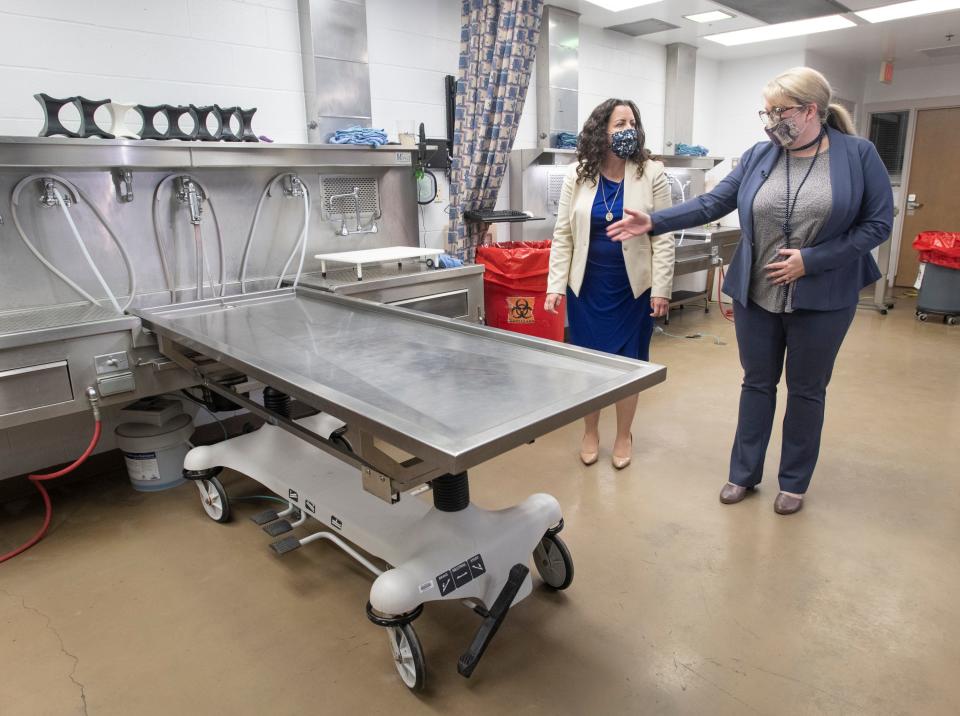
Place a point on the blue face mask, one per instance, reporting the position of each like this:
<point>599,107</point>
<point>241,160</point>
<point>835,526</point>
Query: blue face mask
<point>624,143</point>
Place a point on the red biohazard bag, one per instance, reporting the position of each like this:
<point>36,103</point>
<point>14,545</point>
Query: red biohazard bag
<point>939,247</point>
<point>515,287</point>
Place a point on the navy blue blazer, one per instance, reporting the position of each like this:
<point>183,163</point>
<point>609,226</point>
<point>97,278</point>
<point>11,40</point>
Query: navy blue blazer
<point>838,263</point>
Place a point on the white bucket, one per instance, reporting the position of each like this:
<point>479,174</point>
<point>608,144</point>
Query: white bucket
<point>154,455</point>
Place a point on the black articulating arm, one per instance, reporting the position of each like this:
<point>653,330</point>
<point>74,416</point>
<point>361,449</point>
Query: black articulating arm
<point>492,621</point>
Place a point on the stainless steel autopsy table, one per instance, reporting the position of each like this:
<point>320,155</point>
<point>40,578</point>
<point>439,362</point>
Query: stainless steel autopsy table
<point>448,394</point>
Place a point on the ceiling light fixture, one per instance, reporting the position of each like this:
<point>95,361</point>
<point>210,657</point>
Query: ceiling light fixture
<point>621,5</point>
<point>712,16</point>
<point>781,30</point>
<point>907,9</point>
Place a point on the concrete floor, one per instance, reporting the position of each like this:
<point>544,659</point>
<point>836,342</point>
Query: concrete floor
<point>139,604</point>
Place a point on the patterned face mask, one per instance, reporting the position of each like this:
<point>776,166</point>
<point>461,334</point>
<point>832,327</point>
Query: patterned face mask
<point>784,132</point>
<point>624,143</point>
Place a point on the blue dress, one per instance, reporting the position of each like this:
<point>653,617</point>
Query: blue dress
<point>605,316</point>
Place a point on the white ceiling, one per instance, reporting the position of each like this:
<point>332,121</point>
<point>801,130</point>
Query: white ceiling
<point>863,45</point>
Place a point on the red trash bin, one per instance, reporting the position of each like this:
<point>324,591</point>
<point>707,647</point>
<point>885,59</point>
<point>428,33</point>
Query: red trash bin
<point>515,287</point>
<point>939,247</point>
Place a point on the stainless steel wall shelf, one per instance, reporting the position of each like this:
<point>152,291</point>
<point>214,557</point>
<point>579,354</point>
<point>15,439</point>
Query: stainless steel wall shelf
<point>45,152</point>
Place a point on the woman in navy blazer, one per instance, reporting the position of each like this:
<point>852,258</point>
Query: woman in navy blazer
<point>811,285</point>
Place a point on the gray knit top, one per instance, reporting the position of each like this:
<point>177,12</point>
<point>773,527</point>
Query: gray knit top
<point>769,209</point>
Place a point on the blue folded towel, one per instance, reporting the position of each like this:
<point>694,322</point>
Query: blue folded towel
<point>691,150</point>
<point>566,140</point>
<point>359,135</point>
<point>446,261</point>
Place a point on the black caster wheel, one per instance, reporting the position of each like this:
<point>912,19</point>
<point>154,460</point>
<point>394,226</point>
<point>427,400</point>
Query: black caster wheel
<point>921,316</point>
<point>553,562</point>
<point>951,320</point>
<point>706,309</point>
<point>883,311</point>
<point>214,499</point>
<point>407,655</point>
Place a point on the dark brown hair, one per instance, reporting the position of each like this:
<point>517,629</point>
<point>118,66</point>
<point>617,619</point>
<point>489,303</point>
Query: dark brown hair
<point>594,142</point>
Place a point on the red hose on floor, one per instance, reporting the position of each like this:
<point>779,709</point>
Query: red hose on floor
<point>38,481</point>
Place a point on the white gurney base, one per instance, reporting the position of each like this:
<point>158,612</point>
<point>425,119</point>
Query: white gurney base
<point>434,555</point>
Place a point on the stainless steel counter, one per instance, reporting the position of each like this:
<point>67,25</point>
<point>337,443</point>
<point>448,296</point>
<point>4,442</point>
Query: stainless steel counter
<point>453,292</point>
<point>703,249</point>
<point>56,323</point>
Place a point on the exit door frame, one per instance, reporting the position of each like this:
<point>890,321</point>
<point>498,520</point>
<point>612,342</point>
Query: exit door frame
<point>913,106</point>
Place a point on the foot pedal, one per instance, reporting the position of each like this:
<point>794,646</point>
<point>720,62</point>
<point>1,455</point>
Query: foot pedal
<point>262,518</point>
<point>494,618</point>
<point>275,529</point>
<point>282,546</point>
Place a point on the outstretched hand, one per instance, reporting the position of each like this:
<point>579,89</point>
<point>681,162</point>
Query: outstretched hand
<point>633,224</point>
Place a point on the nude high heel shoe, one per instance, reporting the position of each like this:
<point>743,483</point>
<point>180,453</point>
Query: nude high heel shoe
<point>589,458</point>
<point>622,462</point>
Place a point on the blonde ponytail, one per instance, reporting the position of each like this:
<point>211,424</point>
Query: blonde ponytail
<point>804,85</point>
<point>839,118</point>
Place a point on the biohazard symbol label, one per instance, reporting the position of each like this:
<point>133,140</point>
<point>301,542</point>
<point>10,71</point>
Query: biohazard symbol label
<point>520,309</point>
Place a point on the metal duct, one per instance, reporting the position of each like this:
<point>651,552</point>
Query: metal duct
<point>336,70</point>
<point>678,113</point>
<point>558,75</point>
<point>774,11</point>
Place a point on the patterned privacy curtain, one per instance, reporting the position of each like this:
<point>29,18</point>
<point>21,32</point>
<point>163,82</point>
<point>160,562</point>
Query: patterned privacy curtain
<point>498,41</point>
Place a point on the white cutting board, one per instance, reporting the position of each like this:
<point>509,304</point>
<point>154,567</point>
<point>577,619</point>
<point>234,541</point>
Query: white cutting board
<point>370,256</point>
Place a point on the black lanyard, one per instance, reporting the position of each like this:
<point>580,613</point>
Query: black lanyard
<point>788,215</point>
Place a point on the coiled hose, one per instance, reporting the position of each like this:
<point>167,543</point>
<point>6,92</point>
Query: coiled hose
<point>300,244</point>
<point>164,261</point>
<point>74,192</point>
<point>38,479</point>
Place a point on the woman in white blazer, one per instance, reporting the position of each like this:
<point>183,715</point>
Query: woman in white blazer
<point>613,290</point>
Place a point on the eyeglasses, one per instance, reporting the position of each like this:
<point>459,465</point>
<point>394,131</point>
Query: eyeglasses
<point>769,118</point>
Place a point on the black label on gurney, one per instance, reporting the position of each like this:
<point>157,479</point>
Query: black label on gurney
<point>292,494</point>
<point>310,506</point>
<point>461,574</point>
<point>445,583</point>
<point>335,522</point>
<point>476,565</point>
<point>456,577</point>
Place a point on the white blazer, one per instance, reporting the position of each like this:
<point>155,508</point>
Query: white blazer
<point>649,261</point>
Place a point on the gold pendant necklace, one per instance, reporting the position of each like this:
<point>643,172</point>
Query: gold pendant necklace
<point>603,193</point>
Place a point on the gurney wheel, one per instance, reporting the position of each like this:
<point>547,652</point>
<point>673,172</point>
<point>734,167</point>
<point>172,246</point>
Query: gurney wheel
<point>554,562</point>
<point>921,316</point>
<point>951,320</point>
<point>214,499</point>
<point>407,655</point>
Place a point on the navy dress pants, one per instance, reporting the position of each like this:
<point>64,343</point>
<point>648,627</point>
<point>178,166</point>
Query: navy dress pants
<point>809,340</point>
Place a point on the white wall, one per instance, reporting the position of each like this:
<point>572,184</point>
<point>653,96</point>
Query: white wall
<point>847,79</point>
<point>706,100</point>
<point>615,65</point>
<point>412,45</point>
<point>176,51</point>
<point>914,83</point>
<point>736,126</point>
<point>246,52</point>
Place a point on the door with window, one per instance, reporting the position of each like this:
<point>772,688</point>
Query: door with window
<point>931,195</point>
